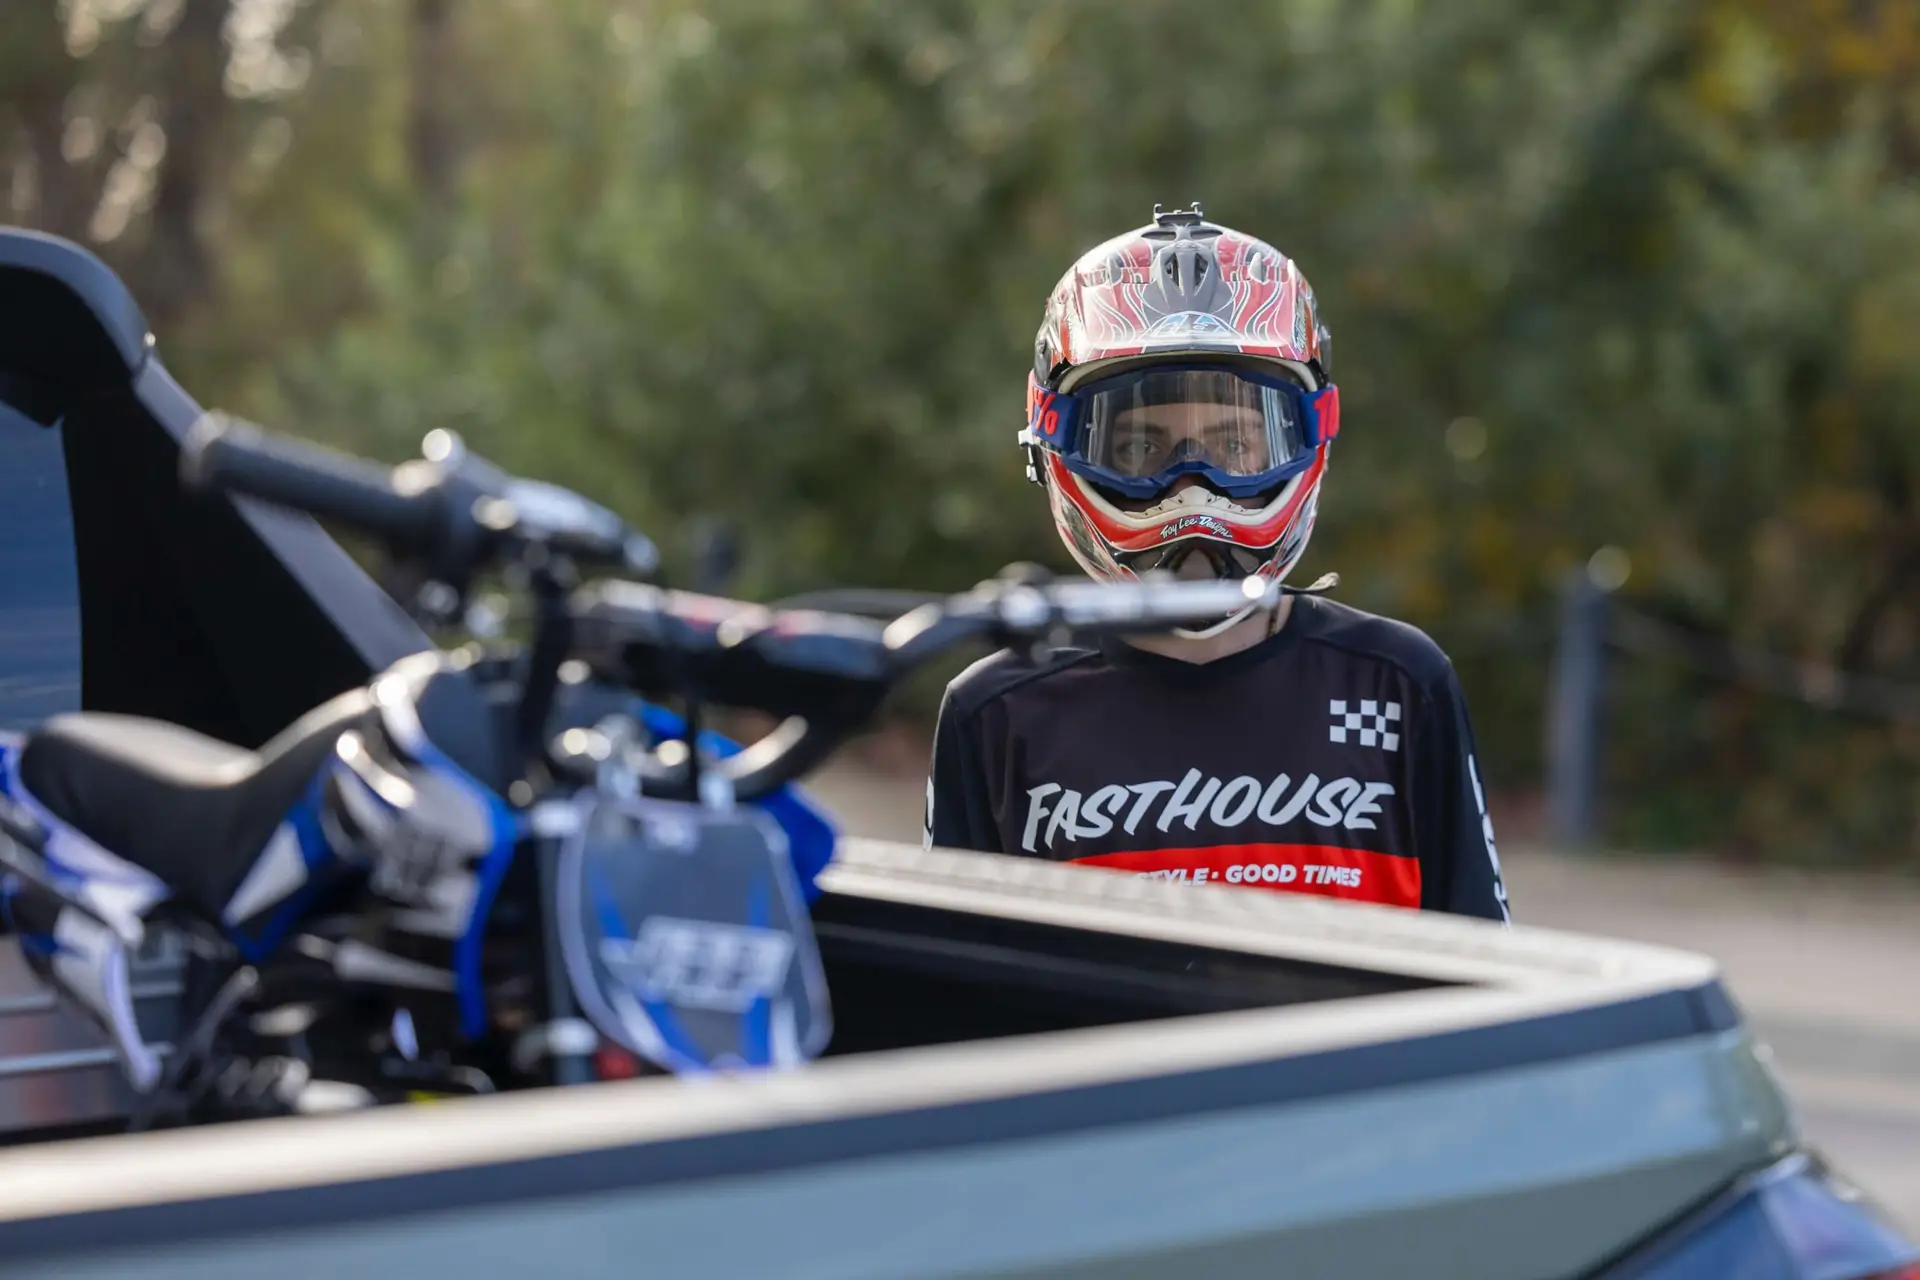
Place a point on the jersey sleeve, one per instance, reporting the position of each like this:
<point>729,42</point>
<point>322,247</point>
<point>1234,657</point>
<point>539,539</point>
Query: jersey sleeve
<point>959,813</point>
<point>1460,861</point>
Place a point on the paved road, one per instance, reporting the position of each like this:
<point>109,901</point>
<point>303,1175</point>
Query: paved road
<point>1827,970</point>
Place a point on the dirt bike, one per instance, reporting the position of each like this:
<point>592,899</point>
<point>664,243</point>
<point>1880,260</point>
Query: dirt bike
<point>494,866</point>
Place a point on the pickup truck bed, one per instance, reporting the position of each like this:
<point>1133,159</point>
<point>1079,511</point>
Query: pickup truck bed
<point>1037,1070</point>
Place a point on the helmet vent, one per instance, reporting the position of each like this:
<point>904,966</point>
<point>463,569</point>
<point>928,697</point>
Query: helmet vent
<point>1187,279</point>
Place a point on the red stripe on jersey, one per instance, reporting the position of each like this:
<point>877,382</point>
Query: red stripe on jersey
<point>1356,874</point>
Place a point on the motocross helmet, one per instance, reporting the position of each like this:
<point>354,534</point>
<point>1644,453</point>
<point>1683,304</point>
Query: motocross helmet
<point>1182,349</point>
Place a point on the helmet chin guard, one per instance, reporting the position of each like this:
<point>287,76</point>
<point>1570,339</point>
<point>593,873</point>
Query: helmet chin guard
<point>1226,563</point>
<point>1225,624</point>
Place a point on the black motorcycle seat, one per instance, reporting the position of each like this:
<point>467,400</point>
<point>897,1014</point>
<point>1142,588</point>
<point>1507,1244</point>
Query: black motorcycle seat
<point>194,811</point>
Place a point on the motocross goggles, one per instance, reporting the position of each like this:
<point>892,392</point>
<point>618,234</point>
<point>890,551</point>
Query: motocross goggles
<point>1242,432</point>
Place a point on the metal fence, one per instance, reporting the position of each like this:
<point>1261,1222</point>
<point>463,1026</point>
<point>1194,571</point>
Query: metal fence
<point>1597,624</point>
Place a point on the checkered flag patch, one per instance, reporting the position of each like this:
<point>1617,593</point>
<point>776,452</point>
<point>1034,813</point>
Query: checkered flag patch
<point>1374,724</point>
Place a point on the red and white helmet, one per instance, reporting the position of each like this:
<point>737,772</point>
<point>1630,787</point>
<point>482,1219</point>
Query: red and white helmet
<point>1178,317</point>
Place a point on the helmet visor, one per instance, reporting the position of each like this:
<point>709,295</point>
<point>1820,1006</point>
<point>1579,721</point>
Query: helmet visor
<point>1140,432</point>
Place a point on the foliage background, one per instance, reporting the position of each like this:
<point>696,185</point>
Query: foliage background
<point>1641,274</point>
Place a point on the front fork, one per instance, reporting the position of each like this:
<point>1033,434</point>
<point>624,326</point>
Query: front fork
<point>566,1038</point>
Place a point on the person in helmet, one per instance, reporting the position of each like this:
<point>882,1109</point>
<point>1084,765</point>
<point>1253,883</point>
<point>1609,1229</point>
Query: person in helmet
<point>1180,415</point>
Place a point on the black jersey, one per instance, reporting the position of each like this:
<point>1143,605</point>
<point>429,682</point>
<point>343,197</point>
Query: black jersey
<point>1334,757</point>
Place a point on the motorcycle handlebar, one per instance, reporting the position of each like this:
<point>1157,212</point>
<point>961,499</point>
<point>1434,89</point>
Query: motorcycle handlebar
<point>827,673</point>
<point>447,508</point>
<point>825,669</point>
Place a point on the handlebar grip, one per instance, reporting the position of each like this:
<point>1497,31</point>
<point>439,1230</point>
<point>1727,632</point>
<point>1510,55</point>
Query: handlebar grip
<point>233,456</point>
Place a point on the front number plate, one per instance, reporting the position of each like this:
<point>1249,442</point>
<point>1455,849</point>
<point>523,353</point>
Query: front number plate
<point>686,937</point>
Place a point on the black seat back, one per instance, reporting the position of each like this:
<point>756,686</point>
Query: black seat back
<point>225,617</point>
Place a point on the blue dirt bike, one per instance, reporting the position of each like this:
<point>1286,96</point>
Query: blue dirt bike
<point>487,869</point>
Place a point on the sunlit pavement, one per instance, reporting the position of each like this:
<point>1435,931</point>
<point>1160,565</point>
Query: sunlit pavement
<point>1828,970</point>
